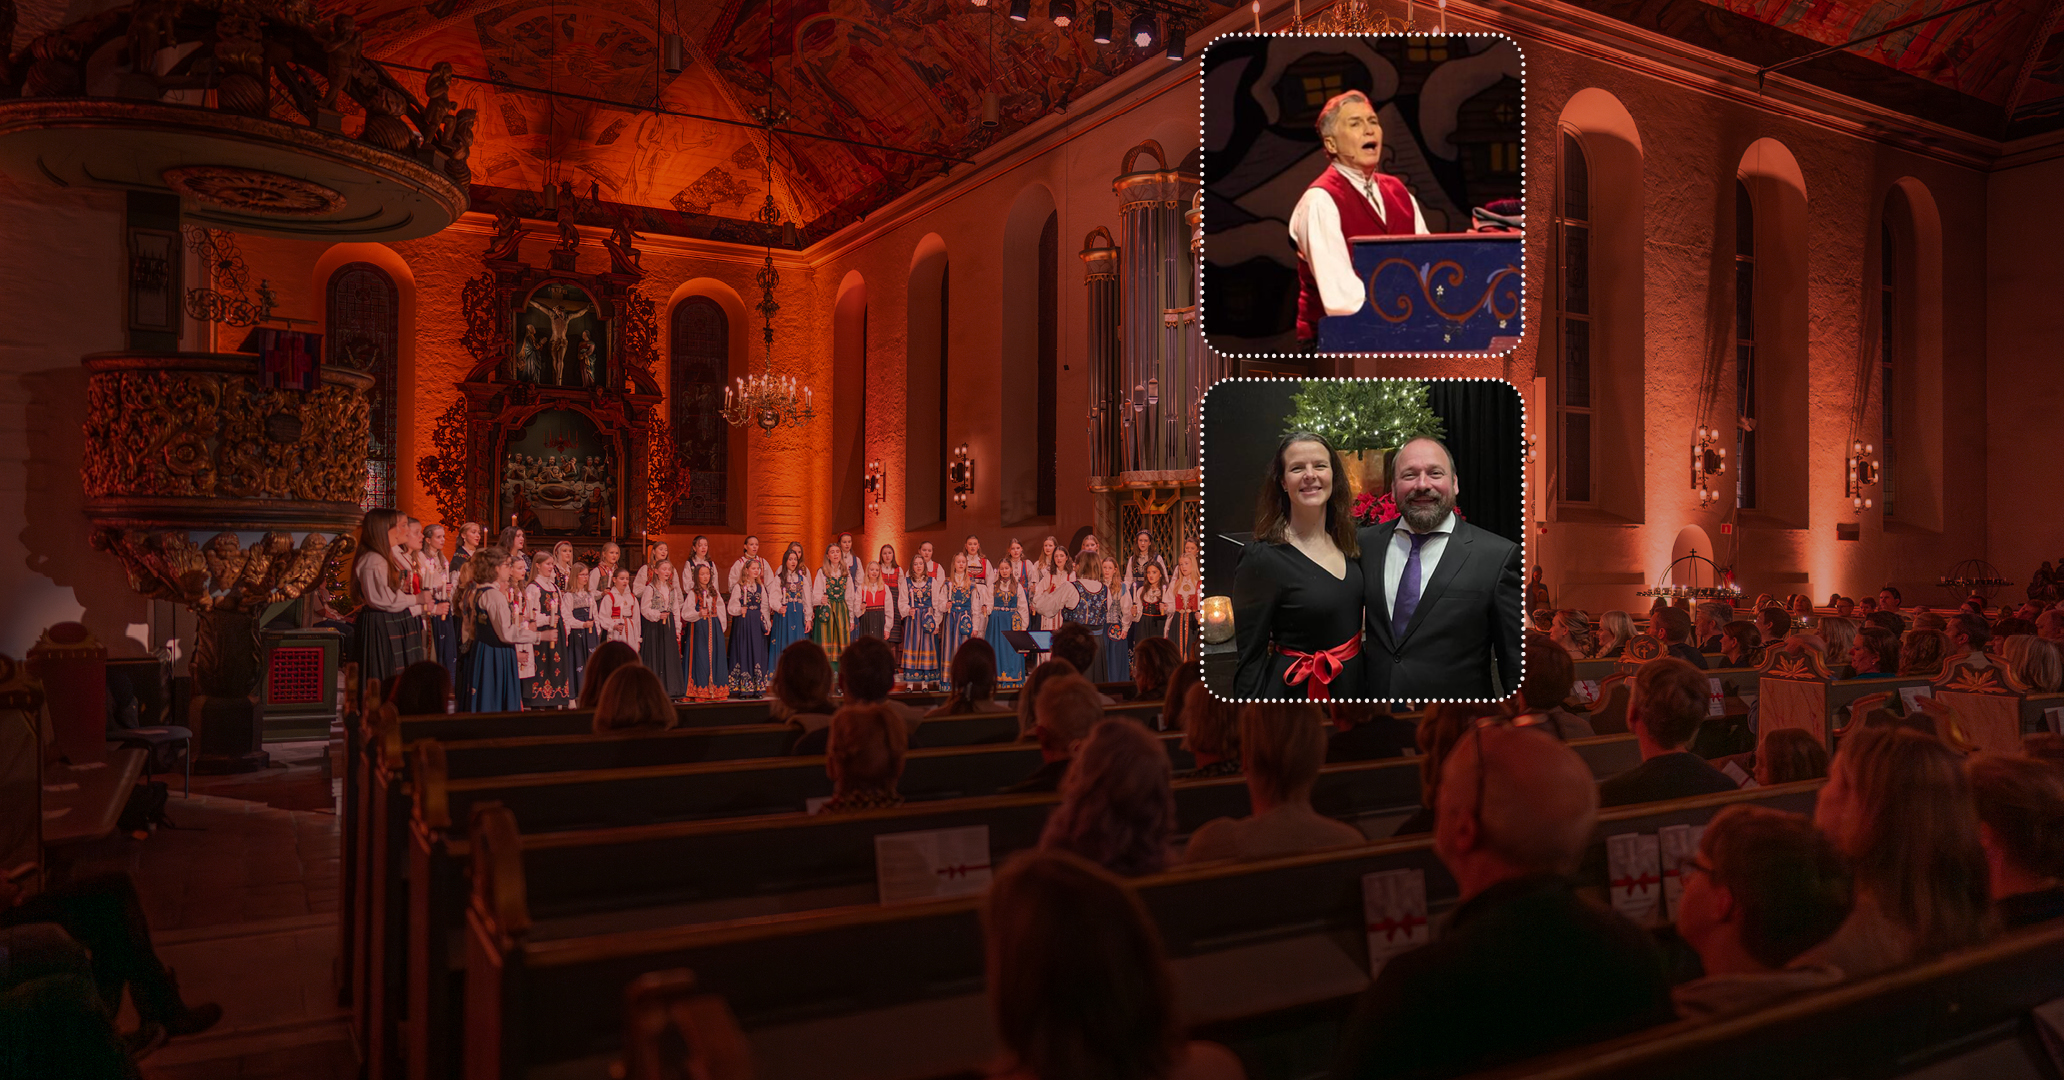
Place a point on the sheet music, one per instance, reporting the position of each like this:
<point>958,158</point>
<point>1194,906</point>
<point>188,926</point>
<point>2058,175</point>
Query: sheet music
<point>1634,866</point>
<point>931,863</point>
<point>1394,910</point>
<point>1586,691</point>
<point>1679,844</point>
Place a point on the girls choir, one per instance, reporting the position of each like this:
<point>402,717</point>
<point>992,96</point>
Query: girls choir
<point>516,630</point>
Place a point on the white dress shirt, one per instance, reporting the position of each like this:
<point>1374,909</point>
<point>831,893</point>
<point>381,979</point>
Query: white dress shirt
<point>1315,229</point>
<point>1401,549</point>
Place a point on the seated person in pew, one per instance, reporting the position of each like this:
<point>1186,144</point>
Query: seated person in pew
<point>1439,730</point>
<point>1773,623</point>
<point>1525,966</point>
<point>1028,695</point>
<point>1789,755</point>
<point>1078,983</point>
<point>1664,712</point>
<point>1067,708</point>
<point>971,679</point>
<point>1713,615</point>
<point>2021,826</point>
<point>1078,645</point>
<point>634,700</point>
<point>1616,629</point>
<point>1874,654</point>
<point>2049,625</point>
<point>1187,674</point>
<point>1765,887</point>
<point>422,689</point>
<point>1741,644</point>
<point>601,665</point>
<point>1117,808</point>
<point>1968,636</point>
<point>801,693</point>
<point>1571,629</point>
<point>1929,620</point>
<point>1886,621</point>
<point>1673,628</point>
<point>1211,734</point>
<point>864,758</point>
<point>1836,636</point>
<point>866,674</point>
<point>1897,805</point>
<point>1154,661</point>
<point>1544,692</point>
<point>1921,653</point>
<point>2035,663</point>
<point>1368,732</point>
<point>52,1019</point>
<point>1282,747</point>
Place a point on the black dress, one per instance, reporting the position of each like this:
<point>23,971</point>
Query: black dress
<point>1283,600</point>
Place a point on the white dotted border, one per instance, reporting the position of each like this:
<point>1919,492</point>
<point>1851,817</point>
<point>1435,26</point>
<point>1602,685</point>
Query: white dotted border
<point>1204,78</point>
<point>1526,532</point>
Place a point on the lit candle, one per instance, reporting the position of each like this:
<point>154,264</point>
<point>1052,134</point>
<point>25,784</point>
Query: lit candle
<point>1218,619</point>
<point>1257,16</point>
<point>612,525</point>
<point>512,521</point>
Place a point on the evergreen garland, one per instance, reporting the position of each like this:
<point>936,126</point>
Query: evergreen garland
<point>1364,414</point>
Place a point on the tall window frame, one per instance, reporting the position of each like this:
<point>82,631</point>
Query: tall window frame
<point>363,327</point>
<point>1575,403</point>
<point>1888,357</point>
<point>698,368</point>
<point>1744,347</point>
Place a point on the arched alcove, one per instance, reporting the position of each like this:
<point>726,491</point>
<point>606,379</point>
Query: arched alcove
<point>1691,540</point>
<point>1773,469</point>
<point>1909,388</point>
<point>714,450</point>
<point>924,423</point>
<point>367,297</point>
<point>849,399</point>
<point>1029,306</point>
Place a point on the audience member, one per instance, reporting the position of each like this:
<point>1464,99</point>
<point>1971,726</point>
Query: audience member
<point>1187,674</point>
<point>1875,652</point>
<point>971,681</point>
<point>601,665</point>
<point>1068,707</point>
<point>1525,966</point>
<point>1922,652</point>
<point>1742,644</point>
<point>1282,747</point>
<point>1897,805</point>
<point>2020,804</point>
<point>634,698</point>
<point>104,915</point>
<point>422,689</point>
<point>1211,733</point>
<point>1789,755</point>
<point>1712,615</point>
<point>1444,725</point>
<point>2050,625</point>
<point>1571,629</point>
<point>2035,663</point>
<point>1800,606</point>
<point>1078,984</point>
<point>1888,599</point>
<point>1773,623</point>
<point>1078,645</point>
<point>1545,689</point>
<point>1673,628</point>
<point>1968,636</point>
<point>801,693</point>
<point>1117,806</point>
<point>1866,606</point>
<point>1886,621</point>
<point>1845,607</point>
<point>1368,732</point>
<point>866,675</point>
<point>1618,630</point>
<point>1028,695</point>
<point>1930,620</point>
<point>1766,887</point>
<point>1837,636</point>
<point>863,756</point>
<point>1154,661</point>
<point>1664,712</point>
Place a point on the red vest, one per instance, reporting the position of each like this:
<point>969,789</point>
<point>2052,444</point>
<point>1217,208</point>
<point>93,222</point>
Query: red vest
<point>1357,218</point>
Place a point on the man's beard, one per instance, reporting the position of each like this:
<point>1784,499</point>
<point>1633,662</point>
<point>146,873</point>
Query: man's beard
<point>1422,517</point>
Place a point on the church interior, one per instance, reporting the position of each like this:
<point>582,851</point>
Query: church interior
<point>578,539</point>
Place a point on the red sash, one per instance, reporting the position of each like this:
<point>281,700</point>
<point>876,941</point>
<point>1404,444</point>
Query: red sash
<point>1317,670</point>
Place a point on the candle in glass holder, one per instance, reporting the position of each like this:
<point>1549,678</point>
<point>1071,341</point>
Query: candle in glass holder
<point>1218,619</point>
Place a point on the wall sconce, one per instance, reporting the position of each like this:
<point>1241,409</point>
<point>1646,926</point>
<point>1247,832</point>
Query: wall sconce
<point>875,485</point>
<point>1862,473</point>
<point>1708,458</point>
<point>962,473</point>
<point>1532,445</point>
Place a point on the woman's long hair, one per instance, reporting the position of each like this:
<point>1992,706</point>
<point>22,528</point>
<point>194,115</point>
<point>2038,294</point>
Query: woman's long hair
<point>971,677</point>
<point>801,682</point>
<point>1272,508</point>
<point>483,568</point>
<point>1619,626</point>
<point>1117,803</point>
<point>634,698</point>
<point>1078,981</point>
<point>373,530</point>
<point>612,654</point>
<point>1028,694</point>
<point>1913,837</point>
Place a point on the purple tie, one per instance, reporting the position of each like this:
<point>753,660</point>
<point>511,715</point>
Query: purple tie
<point>1407,589</point>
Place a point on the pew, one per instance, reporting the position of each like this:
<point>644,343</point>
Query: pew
<point>1798,691</point>
<point>1966,1014</point>
<point>840,992</point>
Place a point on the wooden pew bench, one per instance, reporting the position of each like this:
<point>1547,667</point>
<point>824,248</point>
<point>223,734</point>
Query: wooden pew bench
<point>896,991</point>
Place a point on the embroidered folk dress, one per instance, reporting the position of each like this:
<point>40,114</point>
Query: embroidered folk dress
<point>751,628</point>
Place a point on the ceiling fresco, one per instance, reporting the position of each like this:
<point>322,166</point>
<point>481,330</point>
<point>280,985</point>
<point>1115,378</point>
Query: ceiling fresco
<point>883,96</point>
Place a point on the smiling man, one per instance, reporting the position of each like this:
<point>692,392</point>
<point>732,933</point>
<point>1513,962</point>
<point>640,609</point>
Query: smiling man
<point>1351,198</point>
<point>1441,596</point>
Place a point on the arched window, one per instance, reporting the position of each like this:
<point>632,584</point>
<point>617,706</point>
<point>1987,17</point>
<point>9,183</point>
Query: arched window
<point>1910,376</point>
<point>1027,405</point>
<point>364,327</point>
<point>1744,348</point>
<point>701,357</point>
<point>1888,350</point>
<point>1573,317</point>
<point>925,426</point>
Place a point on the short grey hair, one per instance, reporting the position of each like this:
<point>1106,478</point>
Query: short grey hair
<point>1331,111</point>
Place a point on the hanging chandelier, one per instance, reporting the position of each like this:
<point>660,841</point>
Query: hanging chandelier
<point>768,399</point>
<point>1357,17</point>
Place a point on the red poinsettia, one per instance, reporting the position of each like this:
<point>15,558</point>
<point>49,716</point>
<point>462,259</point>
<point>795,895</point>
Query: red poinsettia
<point>1370,510</point>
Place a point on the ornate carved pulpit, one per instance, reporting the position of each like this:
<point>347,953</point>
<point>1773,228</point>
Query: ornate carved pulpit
<point>1441,293</point>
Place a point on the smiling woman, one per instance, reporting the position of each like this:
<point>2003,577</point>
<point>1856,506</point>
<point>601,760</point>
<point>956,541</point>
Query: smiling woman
<point>1297,596</point>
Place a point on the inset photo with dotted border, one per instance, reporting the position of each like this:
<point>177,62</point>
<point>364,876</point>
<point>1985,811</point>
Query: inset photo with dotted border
<point>1363,195</point>
<point>1363,539</point>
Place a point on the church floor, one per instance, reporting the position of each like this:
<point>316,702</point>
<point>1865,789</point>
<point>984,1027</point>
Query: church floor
<point>242,902</point>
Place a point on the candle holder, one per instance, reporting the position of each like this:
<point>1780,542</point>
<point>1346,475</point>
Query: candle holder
<point>875,485</point>
<point>1861,474</point>
<point>962,473</point>
<point>1217,615</point>
<point>1708,458</point>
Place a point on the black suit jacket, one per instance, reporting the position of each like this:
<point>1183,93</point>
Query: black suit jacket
<point>1468,615</point>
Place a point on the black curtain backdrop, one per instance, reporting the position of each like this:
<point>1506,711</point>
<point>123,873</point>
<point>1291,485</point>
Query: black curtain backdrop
<point>1243,422</point>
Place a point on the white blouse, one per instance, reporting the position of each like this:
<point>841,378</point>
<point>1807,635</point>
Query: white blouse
<point>694,609</point>
<point>495,606</point>
<point>380,595</point>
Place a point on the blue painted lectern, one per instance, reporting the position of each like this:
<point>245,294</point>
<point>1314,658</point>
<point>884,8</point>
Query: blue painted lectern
<point>1445,292</point>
